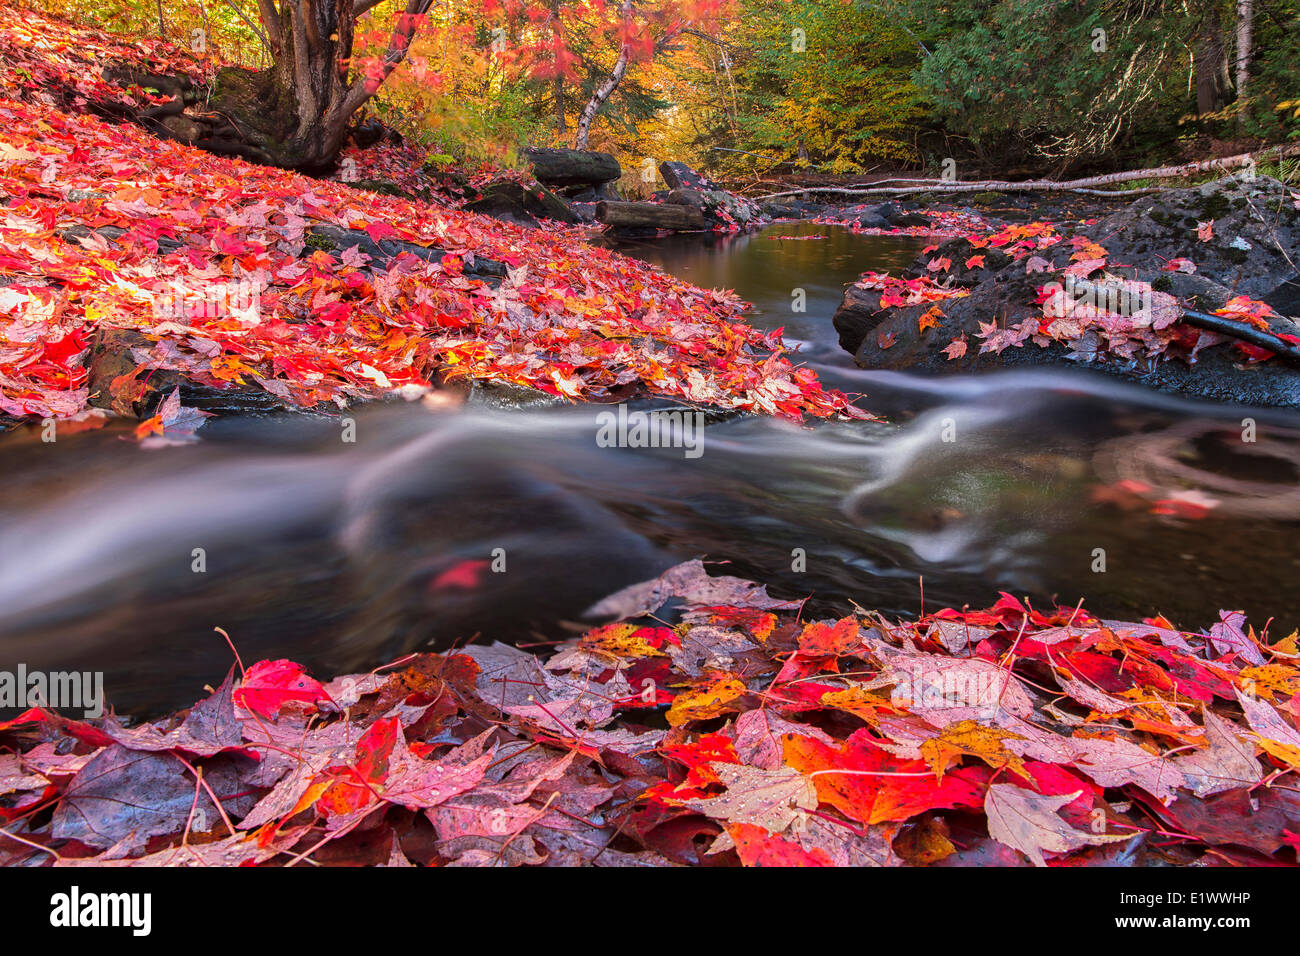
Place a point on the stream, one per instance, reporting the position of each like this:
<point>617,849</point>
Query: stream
<point>438,527</point>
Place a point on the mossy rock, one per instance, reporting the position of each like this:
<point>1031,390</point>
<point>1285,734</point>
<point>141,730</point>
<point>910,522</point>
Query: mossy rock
<point>382,186</point>
<point>1216,206</point>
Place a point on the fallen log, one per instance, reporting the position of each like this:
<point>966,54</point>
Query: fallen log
<point>649,214</point>
<point>1087,185</point>
<point>1239,330</point>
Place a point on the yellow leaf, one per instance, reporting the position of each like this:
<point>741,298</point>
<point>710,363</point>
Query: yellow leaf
<point>930,319</point>
<point>860,703</point>
<point>703,703</point>
<point>1269,679</point>
<point>1284,752</point>
<point>620,640</point>
<point>227,368</point>
<point>968,737</point>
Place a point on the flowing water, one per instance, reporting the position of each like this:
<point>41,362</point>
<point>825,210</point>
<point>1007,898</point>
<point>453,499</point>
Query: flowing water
<point>437,527</point>
<point>793,273</point>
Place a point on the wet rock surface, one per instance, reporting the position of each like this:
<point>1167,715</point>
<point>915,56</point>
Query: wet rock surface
<point>120,381</point>
<point>1254,234</point>
<point>117,383</point>
<point>721,208</point>
<point>573,171</point>
<point>1243,238</point>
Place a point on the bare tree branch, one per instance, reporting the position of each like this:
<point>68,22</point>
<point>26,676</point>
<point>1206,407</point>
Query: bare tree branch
<point>399,43</point>
<point>261,34</point>
<point>270,16</point>
<point>1048,185</point>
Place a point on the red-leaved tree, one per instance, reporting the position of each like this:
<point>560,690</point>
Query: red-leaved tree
<point>297,112</point>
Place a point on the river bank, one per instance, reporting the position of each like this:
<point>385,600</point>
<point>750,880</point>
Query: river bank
<point>1167,289</point>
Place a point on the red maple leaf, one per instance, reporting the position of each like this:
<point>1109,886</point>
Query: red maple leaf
<point>269,685</point>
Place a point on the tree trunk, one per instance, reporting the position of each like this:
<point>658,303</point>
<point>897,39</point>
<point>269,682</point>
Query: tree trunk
<point>603,91</point>
<point>1245,39</point>
<point>1209,58</point>
<point>1221,165</point>
<point>557,84</point>
<point>295,114</point>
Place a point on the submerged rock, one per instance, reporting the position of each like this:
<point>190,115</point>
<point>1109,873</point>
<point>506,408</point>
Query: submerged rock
<point>121,381</point>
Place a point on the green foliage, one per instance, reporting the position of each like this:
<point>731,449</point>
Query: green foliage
<point>846,97</point>
<point>832,85</point>
<point>1070,78</point>
<point>226,35</point>
<point>1273,110</point>
<point>462,129</point>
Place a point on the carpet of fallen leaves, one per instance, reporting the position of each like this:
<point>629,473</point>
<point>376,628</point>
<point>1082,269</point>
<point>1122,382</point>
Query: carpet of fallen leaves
<point>741,734</point>
<point>57,61</point>
<point>210,258</point>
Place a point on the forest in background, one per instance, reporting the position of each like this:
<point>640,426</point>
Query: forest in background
<point>746,89</point>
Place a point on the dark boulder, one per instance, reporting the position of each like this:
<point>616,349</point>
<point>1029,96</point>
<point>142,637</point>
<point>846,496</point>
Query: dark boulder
<point>901,214</point>
<point>504,395</point>
<point>450,184</point>
<point>604,192</point>
<point>573,169</point>
<point>118,382</point>
<point>1285,297</point>
<point>585,211</point>
<point>182,129</point>
<point>986,262</point>
<point>111,357</point>
<point>857,315</point>
<point>366,132</point>
<point>791,207</point>
<point>1255,233</point>
<point>336,239</point>
<point>1218,375</point>
<point>680,176</point>
<point>860,314</point>
<point>513,202</point>
<point>870,218</point>
<point>721,208</point>
<point>114,234</point>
